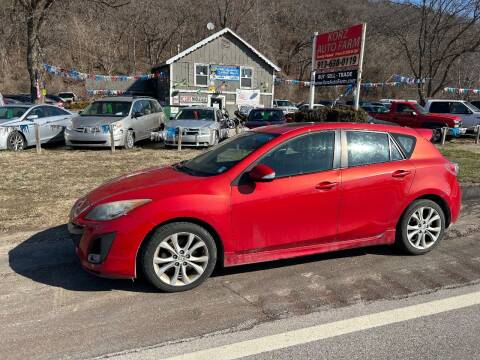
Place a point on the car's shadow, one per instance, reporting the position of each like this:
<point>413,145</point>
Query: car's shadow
<point>48,257</point>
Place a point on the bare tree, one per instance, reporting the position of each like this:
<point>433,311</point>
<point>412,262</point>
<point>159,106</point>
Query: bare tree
<point>434,34</point>
<point>35,14</point>
<point>233,13</point>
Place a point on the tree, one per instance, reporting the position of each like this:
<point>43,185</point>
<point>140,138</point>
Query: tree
<point>434,35</point>
<point>35,13</point>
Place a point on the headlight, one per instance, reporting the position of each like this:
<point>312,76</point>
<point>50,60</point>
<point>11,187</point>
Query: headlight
<point>113,210</point>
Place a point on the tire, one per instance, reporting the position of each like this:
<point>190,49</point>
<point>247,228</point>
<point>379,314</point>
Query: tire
<point>436,136</point>
<point>16,141</point>
<point>129,142</point>
<point>421,227</point>
<point>174,263</point>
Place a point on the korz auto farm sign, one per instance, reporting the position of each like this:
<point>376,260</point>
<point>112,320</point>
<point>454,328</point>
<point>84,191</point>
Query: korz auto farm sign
<point>337,56</point>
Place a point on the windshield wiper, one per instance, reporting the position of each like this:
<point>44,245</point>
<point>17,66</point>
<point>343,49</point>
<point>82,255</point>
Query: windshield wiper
<point>181,167</point>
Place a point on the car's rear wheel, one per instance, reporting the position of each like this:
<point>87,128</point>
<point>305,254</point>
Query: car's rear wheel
<point>16,141</point>
<point>129,139</point>
<point>178,256</point>
<point>422,227</point>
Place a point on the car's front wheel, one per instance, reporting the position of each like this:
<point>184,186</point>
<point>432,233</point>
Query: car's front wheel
<point>422,227</point>
<point>16,141</point>
<point>178,256</point>
<point>129,139</point>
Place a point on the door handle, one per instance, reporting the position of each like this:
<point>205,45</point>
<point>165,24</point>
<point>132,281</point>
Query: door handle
<point>326,185</point>
<point>401,173</point>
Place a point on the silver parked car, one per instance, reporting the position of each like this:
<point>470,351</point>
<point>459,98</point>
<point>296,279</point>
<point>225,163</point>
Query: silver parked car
<point>201,126</point>
<point>286,106</point>
<point>131,118</point>
<point>17,125</point>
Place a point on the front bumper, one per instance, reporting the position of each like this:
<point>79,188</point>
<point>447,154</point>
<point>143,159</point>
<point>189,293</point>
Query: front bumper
<point>108,249</point>
<point>189,140</point>
<point>96,139</point>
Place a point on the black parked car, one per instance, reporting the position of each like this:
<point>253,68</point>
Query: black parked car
<point>264,117</point>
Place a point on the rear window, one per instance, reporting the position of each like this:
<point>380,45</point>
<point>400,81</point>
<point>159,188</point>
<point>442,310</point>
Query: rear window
<point>406,143</point>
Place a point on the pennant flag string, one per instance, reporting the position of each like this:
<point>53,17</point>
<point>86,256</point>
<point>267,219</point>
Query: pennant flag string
<point>76,75</point>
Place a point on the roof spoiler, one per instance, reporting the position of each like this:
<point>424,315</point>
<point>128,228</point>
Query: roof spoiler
<point>425,133</point>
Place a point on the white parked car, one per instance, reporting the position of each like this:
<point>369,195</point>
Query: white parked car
<point>67,96</point>
<point>469,114</point>
<point>286,106</point>
<point>17,125</point>
<point>201,126</point>
<point>131,118</point>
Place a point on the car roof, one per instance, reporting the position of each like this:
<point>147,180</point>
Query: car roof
<point>266,109</point>
<point>449,100</point>
<point>125,98</point>
<point>19,105</point>
<point>306,127</point>
<point>199,108</point>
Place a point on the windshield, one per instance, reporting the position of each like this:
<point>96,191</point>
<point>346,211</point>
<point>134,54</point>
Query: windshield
<point>284,103</point>
<point>419,109</point>
<point>225,156</point>
<point>196,114</point>
<point>107,108</point>
<point>265,115</point>
<point>11,112</point>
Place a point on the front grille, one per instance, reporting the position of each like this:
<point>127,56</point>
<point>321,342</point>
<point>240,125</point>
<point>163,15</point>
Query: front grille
<point>191,131</point>
<point>87,129</point>
<point>89,142</point>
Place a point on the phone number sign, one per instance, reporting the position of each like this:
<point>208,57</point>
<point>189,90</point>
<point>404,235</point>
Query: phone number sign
<point>339,49</point>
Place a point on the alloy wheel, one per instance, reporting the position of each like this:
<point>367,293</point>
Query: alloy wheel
<point>16,142</point>
<point>424,228</point>
<point>180,259</point>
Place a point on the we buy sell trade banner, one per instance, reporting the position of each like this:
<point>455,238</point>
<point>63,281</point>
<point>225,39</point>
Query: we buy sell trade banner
<point>338,51</point>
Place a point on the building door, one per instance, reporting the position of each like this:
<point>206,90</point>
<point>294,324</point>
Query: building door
<point>217,102</point>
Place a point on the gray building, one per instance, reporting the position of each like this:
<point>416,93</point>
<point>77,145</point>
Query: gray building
<point>222,70</point>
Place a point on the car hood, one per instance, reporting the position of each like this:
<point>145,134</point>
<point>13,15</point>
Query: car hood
<point>153,183</point>
<point>192,124</point>
<point>91,121</point>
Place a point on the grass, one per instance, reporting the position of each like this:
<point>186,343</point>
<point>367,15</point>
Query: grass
<point>467,155</point>
<point>37,191</point>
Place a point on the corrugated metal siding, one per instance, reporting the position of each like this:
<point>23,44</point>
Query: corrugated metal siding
<point>225,50</point>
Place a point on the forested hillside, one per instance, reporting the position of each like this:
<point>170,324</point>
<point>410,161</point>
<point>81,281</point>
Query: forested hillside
<point>436,41</point>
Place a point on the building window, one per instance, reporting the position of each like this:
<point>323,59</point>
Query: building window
<point>201,75</point>
<point>246,75</point>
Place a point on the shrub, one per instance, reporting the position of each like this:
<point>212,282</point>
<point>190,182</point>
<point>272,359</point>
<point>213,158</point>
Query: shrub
<point>335,114</point>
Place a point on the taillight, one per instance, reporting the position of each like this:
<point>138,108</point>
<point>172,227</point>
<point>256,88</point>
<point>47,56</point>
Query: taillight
<point>452,168</point>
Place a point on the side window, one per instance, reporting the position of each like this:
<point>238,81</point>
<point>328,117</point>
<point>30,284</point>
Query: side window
<point>303,155</point>
<point>440,107</point>
<point>137,107</point>
<point>39,111</point>
<point>403,108</point>
<point>147,108</point>
<point>366,148</point>
<point>407,143</point>
<point>458,108</point>
<point>53,111</point>
<point>201,74</point>
<point>395,154</point>
<point>155,106</point>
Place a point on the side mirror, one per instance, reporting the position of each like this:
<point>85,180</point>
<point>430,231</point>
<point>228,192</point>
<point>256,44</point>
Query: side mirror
<point>32,117</point>
<point>80,111</point>
<point>137,114</point>
<point>262,173</point>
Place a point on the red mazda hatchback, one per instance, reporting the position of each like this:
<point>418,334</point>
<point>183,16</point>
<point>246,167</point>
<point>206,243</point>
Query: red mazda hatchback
<point>273,193</point>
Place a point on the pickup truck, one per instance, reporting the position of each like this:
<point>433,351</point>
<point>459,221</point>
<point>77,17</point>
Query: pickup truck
<point>408,113</point>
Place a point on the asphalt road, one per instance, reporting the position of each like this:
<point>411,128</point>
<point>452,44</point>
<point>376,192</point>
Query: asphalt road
<point>50,308</point>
